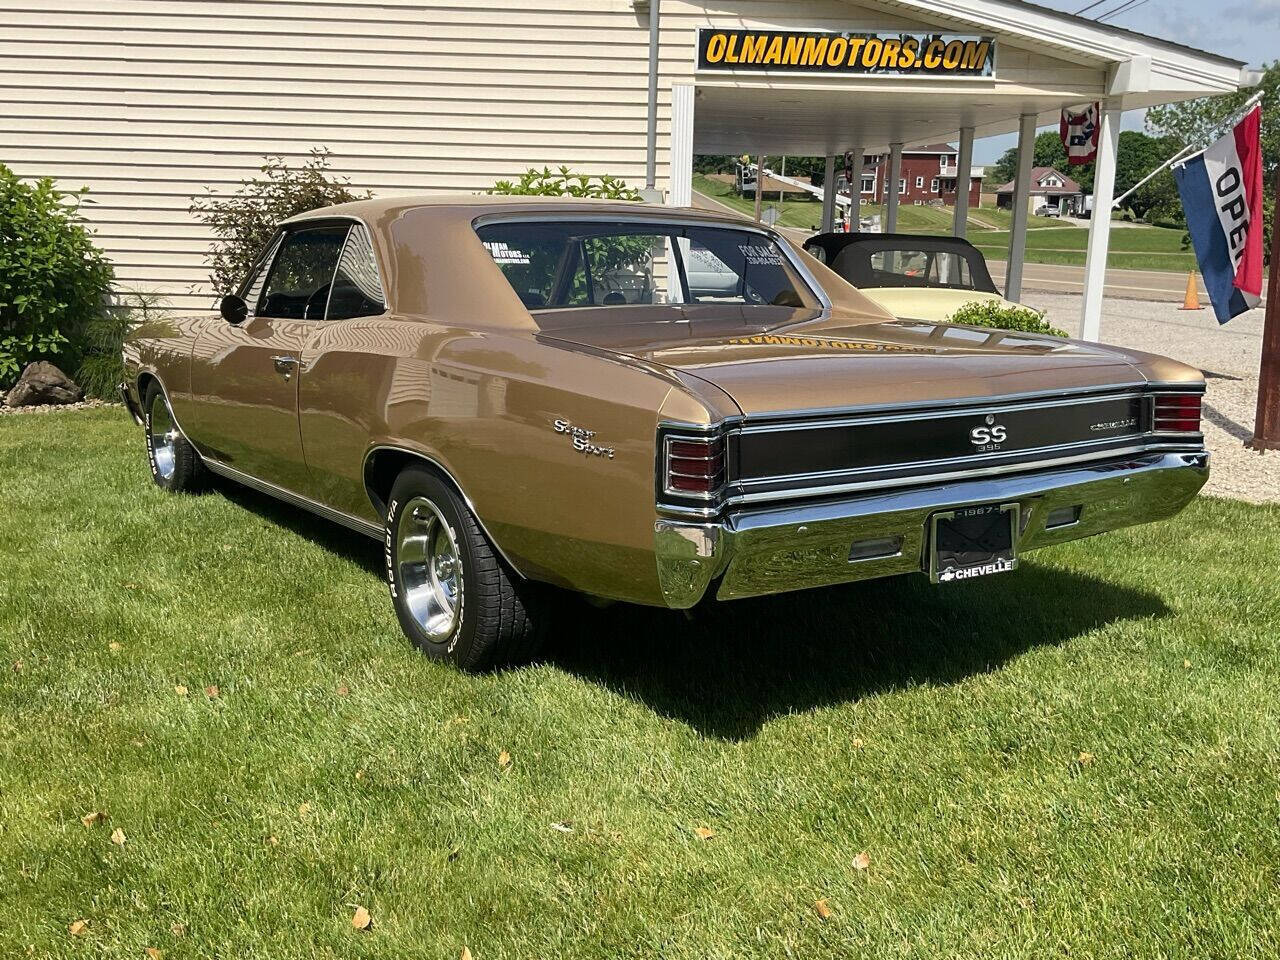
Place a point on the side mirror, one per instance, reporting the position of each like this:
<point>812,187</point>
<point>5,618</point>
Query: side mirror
<point>233,309</point>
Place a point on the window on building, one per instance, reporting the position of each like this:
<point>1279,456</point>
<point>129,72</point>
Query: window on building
<point>933,185</point>
<point>868,185</point>
<point>902,185</point>
<point>919,183</point>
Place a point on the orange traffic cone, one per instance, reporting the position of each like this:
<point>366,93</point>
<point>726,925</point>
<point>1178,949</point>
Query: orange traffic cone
<point>1192,300</point>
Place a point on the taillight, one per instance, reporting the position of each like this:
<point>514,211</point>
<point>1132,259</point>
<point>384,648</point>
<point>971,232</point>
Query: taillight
<point>1177,413</point>
<point>694,466</point>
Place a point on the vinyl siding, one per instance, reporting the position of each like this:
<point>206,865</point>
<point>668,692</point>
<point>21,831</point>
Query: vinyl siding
<point>151,102</point>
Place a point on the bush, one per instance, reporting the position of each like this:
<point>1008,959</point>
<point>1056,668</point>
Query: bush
<point>245,221</point>
<point>992,313</point>
<point>562,182</point>
<point>102,368</point>
<point>53,279</point>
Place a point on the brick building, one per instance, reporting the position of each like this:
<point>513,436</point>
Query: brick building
<point>928,175</point>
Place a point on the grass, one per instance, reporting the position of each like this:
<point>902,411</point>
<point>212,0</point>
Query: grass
<point>1076,759</point>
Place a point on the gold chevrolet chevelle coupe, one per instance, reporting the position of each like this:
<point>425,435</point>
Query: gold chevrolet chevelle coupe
<point>639,403</point>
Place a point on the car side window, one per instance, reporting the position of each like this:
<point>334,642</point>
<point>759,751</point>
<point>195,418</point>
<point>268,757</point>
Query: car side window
<point>357,290</point>
<point>251,289</point>
<point>301,276</point>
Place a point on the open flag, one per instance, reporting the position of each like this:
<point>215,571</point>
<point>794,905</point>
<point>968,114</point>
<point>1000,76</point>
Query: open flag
<point>1221,192</point>
<point>1079,132</point>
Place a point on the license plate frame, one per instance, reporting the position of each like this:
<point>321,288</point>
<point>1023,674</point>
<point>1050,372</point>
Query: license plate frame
<point>977,525</point>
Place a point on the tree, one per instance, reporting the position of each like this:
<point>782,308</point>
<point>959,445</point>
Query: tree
<point>1137,156</point>
<point>243,222</point>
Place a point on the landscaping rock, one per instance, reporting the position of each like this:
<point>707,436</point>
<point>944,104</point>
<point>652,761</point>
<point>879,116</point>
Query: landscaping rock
<point>42,383</point>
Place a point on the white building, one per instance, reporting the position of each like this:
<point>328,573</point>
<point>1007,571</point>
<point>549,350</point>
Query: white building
<point>150,102</point>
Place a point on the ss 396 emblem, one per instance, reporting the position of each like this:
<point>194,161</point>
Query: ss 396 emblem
<point>581,438</point>
<point>990,436</point>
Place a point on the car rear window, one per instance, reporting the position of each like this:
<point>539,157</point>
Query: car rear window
<point>604,263</point>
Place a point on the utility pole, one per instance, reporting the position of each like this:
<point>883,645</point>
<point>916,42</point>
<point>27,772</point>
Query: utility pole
<point>1266,425</point>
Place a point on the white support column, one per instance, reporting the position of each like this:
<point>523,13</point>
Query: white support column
<point>855,191</point>
<point>759,185</point>
<point>892,197</point>
<point>964,180</point>
<point>829,195</point>
<point>1021,202</point>
<point>1095,259</point>
<point>680,191</point>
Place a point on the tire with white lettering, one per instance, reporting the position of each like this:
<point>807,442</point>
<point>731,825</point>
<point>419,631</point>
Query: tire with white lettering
<point>454,596</point>
<point>175,465</point>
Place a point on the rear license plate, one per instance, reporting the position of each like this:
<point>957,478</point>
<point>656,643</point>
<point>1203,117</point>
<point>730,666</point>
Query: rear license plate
<point>973,541</point>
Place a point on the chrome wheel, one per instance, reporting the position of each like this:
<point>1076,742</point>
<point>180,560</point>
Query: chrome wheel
<point>430,568</point>
<point>163,438</point>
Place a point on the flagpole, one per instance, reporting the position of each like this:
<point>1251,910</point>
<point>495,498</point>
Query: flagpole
<point>1186,152</point>
<point>1266,425</point>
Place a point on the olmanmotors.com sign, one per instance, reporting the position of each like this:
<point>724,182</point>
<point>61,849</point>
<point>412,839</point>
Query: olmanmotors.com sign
<point>788,51</point>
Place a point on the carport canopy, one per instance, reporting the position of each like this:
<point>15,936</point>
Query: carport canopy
<point>1043,61</point>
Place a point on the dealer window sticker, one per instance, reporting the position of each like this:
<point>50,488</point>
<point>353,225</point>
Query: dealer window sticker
<point>760,255</point>
<point>502,252</point>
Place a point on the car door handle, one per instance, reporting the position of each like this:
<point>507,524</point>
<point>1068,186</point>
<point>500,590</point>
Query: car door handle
<point>284,365</point>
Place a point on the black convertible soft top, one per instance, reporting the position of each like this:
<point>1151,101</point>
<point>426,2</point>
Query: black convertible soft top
<point>850,255</point>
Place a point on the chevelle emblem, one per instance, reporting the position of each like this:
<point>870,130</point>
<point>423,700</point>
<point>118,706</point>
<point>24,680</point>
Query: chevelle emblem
<point>581,438</point>
<point>990,436</point>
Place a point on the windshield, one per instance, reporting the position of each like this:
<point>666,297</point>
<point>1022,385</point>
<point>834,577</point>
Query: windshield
<point>930,264</point>
<point>606,263</point>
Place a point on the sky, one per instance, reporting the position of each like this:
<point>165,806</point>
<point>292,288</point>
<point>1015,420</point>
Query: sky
<point>1246,30</point>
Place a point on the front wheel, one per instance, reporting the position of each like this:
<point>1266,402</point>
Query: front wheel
<point>453,595</point>
<point>175,465</point>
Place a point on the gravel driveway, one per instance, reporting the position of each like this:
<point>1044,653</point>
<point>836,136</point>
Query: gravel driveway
<point>1229,355</point>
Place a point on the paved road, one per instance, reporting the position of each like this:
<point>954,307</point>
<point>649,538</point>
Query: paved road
<point>1165,285</point>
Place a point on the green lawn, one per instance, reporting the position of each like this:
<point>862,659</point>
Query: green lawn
<point>1078,759</point>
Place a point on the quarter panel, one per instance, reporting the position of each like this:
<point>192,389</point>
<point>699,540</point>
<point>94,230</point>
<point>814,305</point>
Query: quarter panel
<point>486,406</point>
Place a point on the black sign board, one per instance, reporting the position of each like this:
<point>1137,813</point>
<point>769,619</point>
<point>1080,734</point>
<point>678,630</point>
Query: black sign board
<point>790,51</point>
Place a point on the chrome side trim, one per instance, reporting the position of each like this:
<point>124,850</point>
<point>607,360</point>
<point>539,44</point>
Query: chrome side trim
<point>371,530</point>
<point>417,454</point>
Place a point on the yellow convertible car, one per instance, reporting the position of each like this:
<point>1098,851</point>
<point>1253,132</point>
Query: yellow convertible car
<point>913,277</point>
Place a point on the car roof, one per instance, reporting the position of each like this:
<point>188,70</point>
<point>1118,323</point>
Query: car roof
<point>838,241</point>
<point>470,206</point>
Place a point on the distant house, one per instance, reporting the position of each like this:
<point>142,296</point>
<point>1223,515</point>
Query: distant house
<point>929,175</point>
<point>1051,192</point>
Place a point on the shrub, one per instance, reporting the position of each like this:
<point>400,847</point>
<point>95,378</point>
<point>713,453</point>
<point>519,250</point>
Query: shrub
<point>53,279</point>
<point>562,182</point>
<point>992,313</point>
<point>102,368</point>
<point>245,221</point>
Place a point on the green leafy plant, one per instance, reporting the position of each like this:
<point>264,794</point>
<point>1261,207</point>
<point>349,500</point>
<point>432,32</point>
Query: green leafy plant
<point>242,223</point>
<point>992,313</point>
<point>102,368</point>
<point>53,279</point>
<point>563,182</point>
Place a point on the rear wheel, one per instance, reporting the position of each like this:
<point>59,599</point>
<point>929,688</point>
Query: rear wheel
<point>454,596</point>
<point>175,465</point>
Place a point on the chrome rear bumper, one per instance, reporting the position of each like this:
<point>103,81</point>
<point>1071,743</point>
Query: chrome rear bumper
<point>756,552</point>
